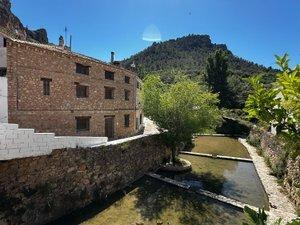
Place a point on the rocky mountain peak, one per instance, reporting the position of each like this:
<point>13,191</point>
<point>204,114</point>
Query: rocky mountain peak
<point>11,24</point>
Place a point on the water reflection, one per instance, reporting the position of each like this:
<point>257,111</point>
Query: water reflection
<point>220,146</point>
<point>233,179</point>
<point>151,202</point>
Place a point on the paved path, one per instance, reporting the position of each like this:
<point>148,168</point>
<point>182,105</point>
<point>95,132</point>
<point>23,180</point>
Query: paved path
<point>150,126</point>
<point>280,205</point>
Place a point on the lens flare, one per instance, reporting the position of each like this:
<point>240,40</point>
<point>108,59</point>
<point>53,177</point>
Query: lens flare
<point>151,33</point>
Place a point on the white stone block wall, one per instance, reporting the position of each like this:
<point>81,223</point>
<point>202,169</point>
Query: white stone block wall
<point>3,100</point>
<point>19,143</point>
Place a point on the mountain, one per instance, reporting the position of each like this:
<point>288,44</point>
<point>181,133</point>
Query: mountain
<point>188,54</point>
<point>11,25</point>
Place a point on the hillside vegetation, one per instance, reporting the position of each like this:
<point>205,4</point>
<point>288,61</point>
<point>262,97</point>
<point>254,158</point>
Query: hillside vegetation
<point>189,55</point>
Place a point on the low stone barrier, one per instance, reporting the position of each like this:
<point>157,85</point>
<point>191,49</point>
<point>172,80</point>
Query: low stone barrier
<point>37,190</point>
<point>217,156</point>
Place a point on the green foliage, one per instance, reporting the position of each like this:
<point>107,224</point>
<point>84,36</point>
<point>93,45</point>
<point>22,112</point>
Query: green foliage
<point>288,82</point>
<point>279,104</point>
<point>260,102</point>
<point>189,55</point>
<point>216,75</point>
<point>260,218</point>
<point>183,108</point>
<point>255,218</point>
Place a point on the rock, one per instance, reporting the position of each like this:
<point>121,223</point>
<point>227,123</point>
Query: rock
<point>9,23</point>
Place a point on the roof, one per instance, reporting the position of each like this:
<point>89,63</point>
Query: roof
<point>57,48</point>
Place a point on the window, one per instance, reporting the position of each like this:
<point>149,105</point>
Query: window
<point>82,69</point>
<point>3,72</point>
<point>82,91</point>
<point>126,120</point>
<point>127,79</point>
<point>109,93</point>
<point>46,85</point>
<point>127,94</point>
<point>109,75</point>
<point>82,123</point>
<point>4,42</point>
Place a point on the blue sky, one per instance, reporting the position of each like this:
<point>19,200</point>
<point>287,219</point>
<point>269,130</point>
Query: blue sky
<point>254,30</point>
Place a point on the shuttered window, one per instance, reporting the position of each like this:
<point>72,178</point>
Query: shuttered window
<point>82,69</point>
<point>81,91</point>
<point>46,85</point>
<point>82,123</point>
<point>109,75</point>
<point>109,93</point>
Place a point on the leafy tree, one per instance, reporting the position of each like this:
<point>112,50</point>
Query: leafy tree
<point>279,104</point>
<point>217,73</point>
<point>182,109</point>
<point>288,82</point>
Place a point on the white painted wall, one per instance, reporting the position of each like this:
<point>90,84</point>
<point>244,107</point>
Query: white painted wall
<point>21,143</point>
<point>3,57</point>
<point>3,100</point>
<point>1,41</point>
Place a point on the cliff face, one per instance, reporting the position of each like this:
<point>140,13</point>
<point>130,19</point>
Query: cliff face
<point>11,24</point>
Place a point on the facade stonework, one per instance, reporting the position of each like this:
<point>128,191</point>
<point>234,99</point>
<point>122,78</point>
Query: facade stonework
<point>29,63</point>
<point>37,190</point>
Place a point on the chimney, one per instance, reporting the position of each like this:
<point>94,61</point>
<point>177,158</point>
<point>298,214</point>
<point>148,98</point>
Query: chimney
<point>61,41</point>
<point>112,57</point>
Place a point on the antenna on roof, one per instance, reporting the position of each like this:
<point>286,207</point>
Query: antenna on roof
<point>70,42</point>
<point>66,33</point>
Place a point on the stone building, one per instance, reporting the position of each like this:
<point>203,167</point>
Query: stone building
<point>52,89</point>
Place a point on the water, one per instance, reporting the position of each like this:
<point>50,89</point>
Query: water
<point>220,146</point>
<point>151,202</point>
<point>237,180</point>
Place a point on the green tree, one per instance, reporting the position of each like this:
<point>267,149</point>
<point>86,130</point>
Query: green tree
<point>216,75</point>
<point>279,104</point>
<point>181,109</point>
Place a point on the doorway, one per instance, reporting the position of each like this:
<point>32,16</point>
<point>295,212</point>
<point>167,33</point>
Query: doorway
<point>109,126</point>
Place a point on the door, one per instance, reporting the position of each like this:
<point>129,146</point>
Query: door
<point>109,127</point>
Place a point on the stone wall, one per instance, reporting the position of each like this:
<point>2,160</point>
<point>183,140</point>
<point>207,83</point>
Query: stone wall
<point>292,180</point>
<point>273,151</point>
<point>37,190</point>
<point>28,63</point>
<point>268,142</point>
